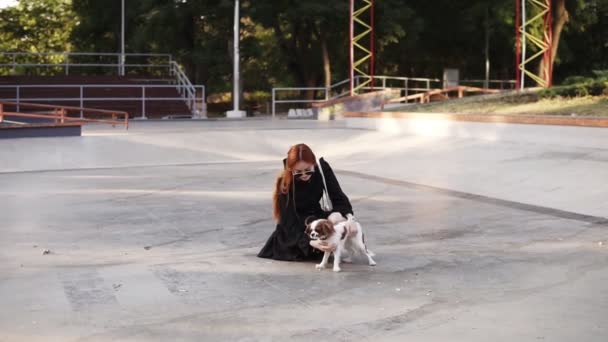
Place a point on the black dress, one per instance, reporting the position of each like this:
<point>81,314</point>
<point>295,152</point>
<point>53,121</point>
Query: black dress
<point>288,241</point>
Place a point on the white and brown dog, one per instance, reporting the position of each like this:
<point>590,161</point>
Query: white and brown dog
<point>334,231</point>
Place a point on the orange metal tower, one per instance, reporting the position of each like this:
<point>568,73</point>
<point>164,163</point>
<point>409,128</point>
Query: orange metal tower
<point>533,42</point>
<point>361,45</point>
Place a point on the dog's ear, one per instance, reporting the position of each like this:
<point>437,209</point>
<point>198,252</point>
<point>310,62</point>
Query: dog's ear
<point>326,228</point>
<point>309,220</point>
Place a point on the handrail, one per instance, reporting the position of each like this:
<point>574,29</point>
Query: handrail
<point>426,97</point>
<point>86,54</point>
<point>66,60</point>
<point>60,113</point>
<point>184,90</point>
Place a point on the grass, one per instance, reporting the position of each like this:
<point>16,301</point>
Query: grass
<point>520,104</point>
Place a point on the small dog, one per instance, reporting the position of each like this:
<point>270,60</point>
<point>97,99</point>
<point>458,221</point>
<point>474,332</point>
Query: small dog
<point>337,234</point>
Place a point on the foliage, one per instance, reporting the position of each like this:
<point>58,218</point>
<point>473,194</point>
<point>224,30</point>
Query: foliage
<point>36,26</point>
<point>579,86</point>
<point>283,41</point>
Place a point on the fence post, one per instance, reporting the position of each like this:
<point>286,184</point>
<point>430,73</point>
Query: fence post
<point>407,87</point>
<point>273,104</point>
<point>62,112</point>
<point>81,102</point>
<point>67,64</point>
<point>143,102</point>
<point>1,112</point>
<point>18,97</point>
<point>383,83</point>
<point>428,85</point>
<point>204,102</point>
<point>327,89</point>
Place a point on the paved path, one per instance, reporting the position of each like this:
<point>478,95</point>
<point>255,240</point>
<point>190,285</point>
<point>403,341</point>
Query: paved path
<point>153,235</point>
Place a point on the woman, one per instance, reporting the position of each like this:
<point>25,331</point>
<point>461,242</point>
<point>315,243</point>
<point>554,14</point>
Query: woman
<point>297,193</point>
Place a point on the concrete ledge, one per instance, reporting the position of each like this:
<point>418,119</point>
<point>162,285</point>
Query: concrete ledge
<point>40,130</point>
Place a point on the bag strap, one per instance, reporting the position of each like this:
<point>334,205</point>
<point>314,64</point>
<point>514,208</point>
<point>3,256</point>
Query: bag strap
<point>325,191</point>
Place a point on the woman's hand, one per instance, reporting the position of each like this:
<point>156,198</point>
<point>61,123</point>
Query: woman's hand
<point>323,246</point>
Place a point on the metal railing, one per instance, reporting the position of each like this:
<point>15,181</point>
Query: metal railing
<point>185,87</point>
<point>425,97</point>
<point>341,89</point>
<point>70,60</point>
<point>60,114</point>
<point>408,85</point>
<point>191,90</point>
<point>491,84</point>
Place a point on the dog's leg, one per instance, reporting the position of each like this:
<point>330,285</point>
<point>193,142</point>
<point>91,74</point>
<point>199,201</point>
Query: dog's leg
<point>361,245</point>
<point>347,256</point>
<point>337,256</point>
<point>348,252</point>
<point>324,261</point>
<point>369,259</point>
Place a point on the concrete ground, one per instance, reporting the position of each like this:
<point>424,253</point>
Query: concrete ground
<point>153,233</point>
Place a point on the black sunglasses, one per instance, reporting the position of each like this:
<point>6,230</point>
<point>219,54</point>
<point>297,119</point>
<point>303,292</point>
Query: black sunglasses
<point>304,172</point>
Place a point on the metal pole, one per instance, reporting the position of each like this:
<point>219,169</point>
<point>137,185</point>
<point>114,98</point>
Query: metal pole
<point>371,46</point>
<point>352,49</point>
<point>523,42</point>
<point>235,99</point>
<point>204,102</point>
<point>549,37</point>
<point>81,102</point>
<point>517,42</point>
<point>143,102</point>
<point>18,97</point>
<point>122,38</point>
<point>273,104</point>
<point>487,80</point>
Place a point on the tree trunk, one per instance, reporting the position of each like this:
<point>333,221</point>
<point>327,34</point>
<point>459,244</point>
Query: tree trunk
<point>326,61</point>
<point>310,82</point>
<point>560,18</point>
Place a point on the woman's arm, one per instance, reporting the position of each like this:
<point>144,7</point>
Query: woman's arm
<point>340,201</point>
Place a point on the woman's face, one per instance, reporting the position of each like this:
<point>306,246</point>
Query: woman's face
<point>303,170</point>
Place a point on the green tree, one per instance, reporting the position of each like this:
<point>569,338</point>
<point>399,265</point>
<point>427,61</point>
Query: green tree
<point>313,35</point>
<point>37,26</point>
<point>583,44</point>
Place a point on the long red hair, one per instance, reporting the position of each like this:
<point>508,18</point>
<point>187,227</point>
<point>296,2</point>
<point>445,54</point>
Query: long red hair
<point>299,152</point>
